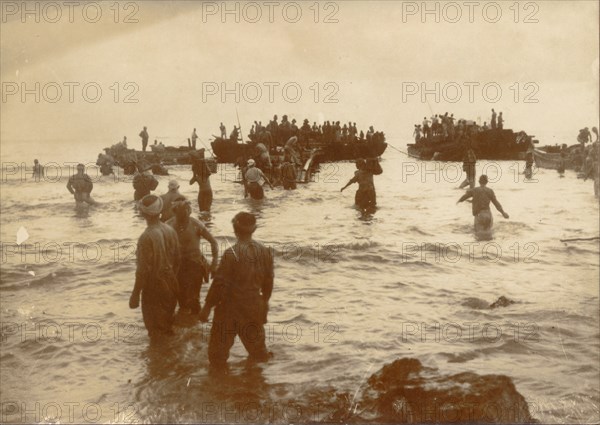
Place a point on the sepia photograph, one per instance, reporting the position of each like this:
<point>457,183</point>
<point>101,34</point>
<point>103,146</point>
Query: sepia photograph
<point>299,212</point>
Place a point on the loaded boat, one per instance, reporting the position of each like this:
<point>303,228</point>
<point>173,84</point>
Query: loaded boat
<point>491,144</point>
<point>311,150</point>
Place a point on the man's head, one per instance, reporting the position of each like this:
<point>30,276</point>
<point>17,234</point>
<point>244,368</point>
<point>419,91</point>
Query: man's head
<point>173,185</point>
<point>360,163</point>
<point>35,161</point>
<point>483,180</point>
<point>181,208</point>
<point>80,168</point>
<point>251,163</point>
<point>244,224</point>
<point>145,128</point>
<point>151,206</point>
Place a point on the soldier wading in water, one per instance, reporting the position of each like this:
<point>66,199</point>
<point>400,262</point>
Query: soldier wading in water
<point>240,293</point>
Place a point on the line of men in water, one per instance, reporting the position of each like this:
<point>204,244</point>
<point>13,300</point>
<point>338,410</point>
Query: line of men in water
<point>278,133</point>
<point>253,178</point>
<point>171,271</point>
<point>443,126</point>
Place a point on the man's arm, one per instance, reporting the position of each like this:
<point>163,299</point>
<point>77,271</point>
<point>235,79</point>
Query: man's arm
<point>144,259</point>
<point>214,246</point>
<point>497,204</point>
<point>70,186</point>
<point>352,180</point>
<point>266,179</point>
<point>217,291</point>
<point>468,194</point>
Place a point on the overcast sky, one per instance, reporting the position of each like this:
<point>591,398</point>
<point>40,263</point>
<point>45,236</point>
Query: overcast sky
<point>177,50</point>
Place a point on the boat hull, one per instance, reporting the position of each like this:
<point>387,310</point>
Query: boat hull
<point>489,144</point>
<point>228,151</point>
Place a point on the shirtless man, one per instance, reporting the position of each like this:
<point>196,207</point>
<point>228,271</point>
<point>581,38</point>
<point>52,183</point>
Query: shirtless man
<point>81,185</point>
<point>365,197</point>
<point>482,196</point>
<point>469,167</point>
<point>194,269</point>
<point>202,176</point>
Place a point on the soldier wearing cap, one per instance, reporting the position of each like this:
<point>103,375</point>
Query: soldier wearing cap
<point>240,293</point>
<point>254,180</point>
<point>157,266</point>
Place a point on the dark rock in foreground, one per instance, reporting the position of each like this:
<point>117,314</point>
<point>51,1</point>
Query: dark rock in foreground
<point>407,392</point>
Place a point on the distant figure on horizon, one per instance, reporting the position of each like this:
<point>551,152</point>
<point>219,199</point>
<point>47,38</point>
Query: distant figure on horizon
<point>426,128</point>
<point>194,138</point>
<point>235,134</point>
<point>529,158</point>
<point>38,170</point>
<point>592,167</point>
<point>240,293</point>
<point>145,137</point>
<point>223,131</point>
<point>158,260</point>
<point>194,269</point>
<point>500,121</point>
<point>584,136</point>
<point>493,119</point>
<point>81,185</point>
<point>417,133</point>
<point>482,196</point>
